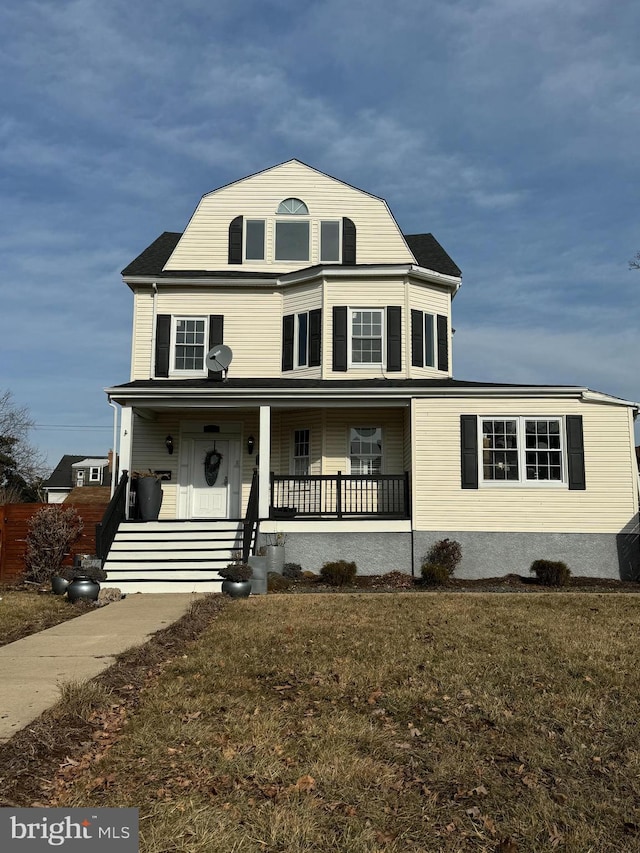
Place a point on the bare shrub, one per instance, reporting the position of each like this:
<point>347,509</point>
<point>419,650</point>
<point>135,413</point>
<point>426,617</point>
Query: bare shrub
<point>446,553</point>
<point>338,573</point>
<point>52,532</point>
<point>551,572</point>
<point>435,574</point>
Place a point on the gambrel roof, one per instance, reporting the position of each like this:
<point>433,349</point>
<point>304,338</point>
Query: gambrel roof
<point>150,263</point>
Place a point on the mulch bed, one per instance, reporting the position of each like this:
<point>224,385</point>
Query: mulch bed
<point>506,583</point>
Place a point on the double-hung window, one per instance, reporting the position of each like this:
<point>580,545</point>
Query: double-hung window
<point>189,344</point>
<point>522,450</point>
<point>429,340</point>
<point>94,475</point>
<point>365,450</point>
<point>292,235</point>
<point>301,452</point>
<point>366,336</point>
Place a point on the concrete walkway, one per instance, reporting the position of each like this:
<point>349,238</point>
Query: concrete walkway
<point>32,669</point>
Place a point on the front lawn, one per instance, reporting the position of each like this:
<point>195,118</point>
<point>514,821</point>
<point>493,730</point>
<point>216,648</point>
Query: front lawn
<point>368,723</point>
<point>26,612</point>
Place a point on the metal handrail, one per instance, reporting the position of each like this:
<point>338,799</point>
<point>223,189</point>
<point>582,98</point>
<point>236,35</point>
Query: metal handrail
<point>114,513</point>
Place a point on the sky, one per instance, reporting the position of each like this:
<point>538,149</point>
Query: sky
<point>508,128</point>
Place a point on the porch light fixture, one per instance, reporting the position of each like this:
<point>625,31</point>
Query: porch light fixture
<point>168,443</point>
<point>251,443</point>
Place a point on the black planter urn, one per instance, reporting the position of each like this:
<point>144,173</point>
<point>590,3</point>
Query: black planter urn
<point>82,587</point>
<point>236,589</point>
<point>149,493</point>
<point>59,585</point>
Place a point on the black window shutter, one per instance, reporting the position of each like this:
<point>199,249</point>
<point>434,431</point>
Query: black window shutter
<point>340,338</point>
<point>348,242</point>
<point>394,338</point>
<point>315,337</point>
<point>417,338</point>
<point>469,451</point>
<point>235,241</point>
<point>287,341</point>
<point>575,452</point>
<point>216,336</point>
<point>443,343</point>
<point>163,344</point>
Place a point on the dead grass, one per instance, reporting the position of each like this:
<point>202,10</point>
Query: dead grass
<point>27,612</point>
<point>396,723</point>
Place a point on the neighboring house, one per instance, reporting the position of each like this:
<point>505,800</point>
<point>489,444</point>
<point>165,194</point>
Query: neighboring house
<point>341,394</point>
<point>74,472</point>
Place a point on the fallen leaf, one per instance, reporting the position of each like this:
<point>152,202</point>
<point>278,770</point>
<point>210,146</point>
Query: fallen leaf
<point>306,784</point>
<point>473,812</point>
<point>373,697</point>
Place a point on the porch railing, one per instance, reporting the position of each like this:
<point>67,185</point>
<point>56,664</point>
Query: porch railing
<point>113,515</point>
<point>340,495</point>
<point>251,519</point>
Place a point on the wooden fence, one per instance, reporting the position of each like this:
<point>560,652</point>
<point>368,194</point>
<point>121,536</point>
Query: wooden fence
<point>14,525</point>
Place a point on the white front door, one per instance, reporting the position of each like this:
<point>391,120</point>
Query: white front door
<point>212,473</point>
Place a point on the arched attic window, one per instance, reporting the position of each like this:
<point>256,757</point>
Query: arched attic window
<point>293,206</point>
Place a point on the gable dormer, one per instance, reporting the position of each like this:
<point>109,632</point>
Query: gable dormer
<point>286,218</point>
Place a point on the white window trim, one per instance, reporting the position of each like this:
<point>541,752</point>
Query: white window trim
<point>370,365</point>
<point>173,371</point>
<point>80,478</point>
<point>295,218</point>
<point>94,474</point>
<point>522,482</point>
<point>245,223</point>
<point>293,457</point>
<point>339,223</point>
<point>382,454</point>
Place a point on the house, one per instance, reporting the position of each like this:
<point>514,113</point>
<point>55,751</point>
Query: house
<point>292,364</point>
<point>73,472</point>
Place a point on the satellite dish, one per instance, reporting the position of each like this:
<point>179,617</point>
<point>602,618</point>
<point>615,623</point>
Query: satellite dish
<point>219,358</point>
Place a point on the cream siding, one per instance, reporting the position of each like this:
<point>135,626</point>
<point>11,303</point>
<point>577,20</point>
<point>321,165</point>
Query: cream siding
<point>205,242</point>
<point>338,425</point>
<point>430,299</point>
<point>150,454</point>
<point>608,504</point>
<point>141,363</point>
<point>252,326</point>
<point>363,293</point>
<point>297,300</point>
<point>284,423</point>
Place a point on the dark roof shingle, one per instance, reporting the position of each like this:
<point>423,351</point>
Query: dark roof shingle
<point>426,249</point>
<point>430,254</point>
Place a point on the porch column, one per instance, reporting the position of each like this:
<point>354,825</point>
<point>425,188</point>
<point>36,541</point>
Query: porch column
<point>264,465</point>
<point>126,443</point>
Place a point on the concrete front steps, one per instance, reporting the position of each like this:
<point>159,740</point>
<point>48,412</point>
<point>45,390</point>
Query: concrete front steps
<point>171,556</point>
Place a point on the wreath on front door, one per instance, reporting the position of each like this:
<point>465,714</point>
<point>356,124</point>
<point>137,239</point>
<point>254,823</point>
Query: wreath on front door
<point>212,466</point>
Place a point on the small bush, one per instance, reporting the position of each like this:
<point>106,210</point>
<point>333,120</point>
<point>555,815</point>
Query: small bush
<point>550,572</point>
<point>309,577</point>
<point>293,571</point>
<point>236,572</point>
<point>277,582</point>
<point>445,552</point>
<point>52,532</point>
<point>338,573</point>
<point>435,574</point>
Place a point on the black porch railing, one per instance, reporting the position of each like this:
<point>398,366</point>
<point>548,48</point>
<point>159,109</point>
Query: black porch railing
<point>113,515</point>
<point>250,519</point>
<point>340,495</point>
